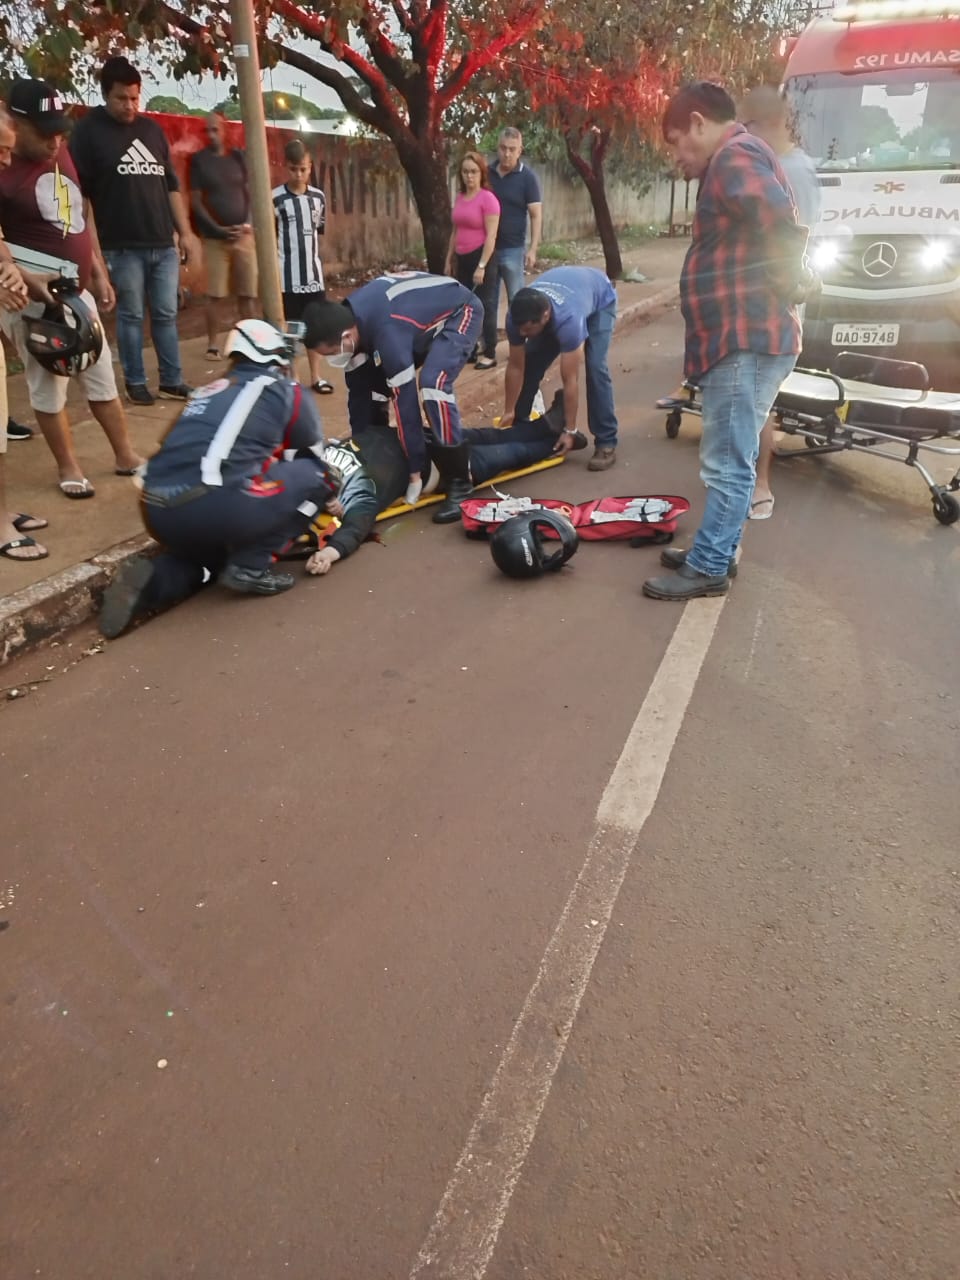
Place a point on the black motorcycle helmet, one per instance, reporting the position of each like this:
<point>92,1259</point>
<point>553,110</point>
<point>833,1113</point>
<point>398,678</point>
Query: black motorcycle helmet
<point>68,337</point>
<point>520,546</point>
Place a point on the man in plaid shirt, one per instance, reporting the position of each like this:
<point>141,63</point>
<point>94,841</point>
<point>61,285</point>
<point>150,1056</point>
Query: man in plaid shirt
<point>737,287</point>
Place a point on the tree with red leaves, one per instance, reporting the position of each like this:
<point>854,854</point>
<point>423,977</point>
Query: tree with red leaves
<point>396,65</point>
<point>601,74</point>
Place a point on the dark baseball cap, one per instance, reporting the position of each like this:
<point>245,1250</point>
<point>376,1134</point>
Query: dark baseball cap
<point>38,102</point>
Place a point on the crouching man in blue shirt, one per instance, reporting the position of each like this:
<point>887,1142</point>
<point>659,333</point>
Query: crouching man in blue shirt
<point>567,312</point>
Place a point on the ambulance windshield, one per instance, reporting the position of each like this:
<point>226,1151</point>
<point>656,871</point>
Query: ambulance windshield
<point>882,119</point>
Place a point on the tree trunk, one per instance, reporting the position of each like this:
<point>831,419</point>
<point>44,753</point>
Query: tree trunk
<point>592,174</point>
<point>425,164</point>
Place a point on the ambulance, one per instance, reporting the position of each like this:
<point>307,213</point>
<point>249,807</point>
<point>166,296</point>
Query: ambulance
<point>875,91</point>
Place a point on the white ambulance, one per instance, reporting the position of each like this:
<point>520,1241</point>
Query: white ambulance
<point>875,87</point>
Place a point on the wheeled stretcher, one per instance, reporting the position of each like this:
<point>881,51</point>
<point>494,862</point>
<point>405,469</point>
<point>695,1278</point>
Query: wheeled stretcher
<point>870,405</point>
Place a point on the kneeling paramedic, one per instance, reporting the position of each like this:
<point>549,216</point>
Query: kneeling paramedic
<point>381,336</point>
<point>225,492</point>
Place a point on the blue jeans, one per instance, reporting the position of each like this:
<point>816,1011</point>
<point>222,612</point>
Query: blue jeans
<point>493,451</point>
<point>505,265</point>
<point>737,394</point>
<point>540,355</point>
<point>151,277</point>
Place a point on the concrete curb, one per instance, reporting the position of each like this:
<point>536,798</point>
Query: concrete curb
<point>644,305</point>
<point>48,608</point>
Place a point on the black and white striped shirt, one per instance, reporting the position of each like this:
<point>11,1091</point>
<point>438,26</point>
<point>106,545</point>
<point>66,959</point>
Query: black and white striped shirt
<point>300,223</point>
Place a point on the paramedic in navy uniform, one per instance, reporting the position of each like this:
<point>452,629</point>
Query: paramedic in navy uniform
<point>238,475</point>
<point>126,174</point>
<point>381,335</point>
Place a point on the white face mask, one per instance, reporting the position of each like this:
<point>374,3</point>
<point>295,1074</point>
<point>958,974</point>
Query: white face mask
<point>343,360</point>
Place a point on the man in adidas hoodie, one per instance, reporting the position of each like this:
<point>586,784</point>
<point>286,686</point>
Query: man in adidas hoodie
<point>127,177</point>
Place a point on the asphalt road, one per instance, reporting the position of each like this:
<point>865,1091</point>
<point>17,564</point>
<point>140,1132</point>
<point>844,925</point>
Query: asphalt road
<point>313,854</point>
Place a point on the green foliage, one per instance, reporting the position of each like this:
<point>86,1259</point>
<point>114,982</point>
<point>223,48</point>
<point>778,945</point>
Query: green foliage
<point>554,252</point>
<point>172,106</point>
<point>876,125</point>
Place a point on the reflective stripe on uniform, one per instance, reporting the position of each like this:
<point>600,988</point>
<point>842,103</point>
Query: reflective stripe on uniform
<point>225,436</point>
<point>418,282</point>
<point>403,377</point>
<point>466,319</point>
<point>433,393</point>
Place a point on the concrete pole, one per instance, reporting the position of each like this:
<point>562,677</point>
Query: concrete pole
<point>247,63</point>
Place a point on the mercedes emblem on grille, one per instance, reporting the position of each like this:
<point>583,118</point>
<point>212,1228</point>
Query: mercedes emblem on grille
<point>879,259</point>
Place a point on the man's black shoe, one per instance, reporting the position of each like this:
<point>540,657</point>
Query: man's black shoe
<point>673,558</point>
<point>555,417</point>
<point>123,599</point>
<point>686,584</point>
<point>255,582</point>
<point>17,431</point>
<point>139,393</point>
<point>175,391</point>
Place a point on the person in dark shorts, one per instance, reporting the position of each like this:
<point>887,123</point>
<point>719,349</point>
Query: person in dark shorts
<point>301,213</point>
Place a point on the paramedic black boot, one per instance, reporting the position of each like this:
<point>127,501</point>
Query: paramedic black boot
<point>255,582</point>
<point>453,463</point>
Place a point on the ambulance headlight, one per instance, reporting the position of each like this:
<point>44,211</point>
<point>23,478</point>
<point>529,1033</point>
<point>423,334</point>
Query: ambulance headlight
<point>936,254</point>
<point>824,254</point>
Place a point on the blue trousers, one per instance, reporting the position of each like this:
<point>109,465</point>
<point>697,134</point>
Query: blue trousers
<point>147,279</point>
<point>505,265</point>
<point>493,450</point>
<point>540,355</point>
<point>737,394</point>
<point>243,526</point>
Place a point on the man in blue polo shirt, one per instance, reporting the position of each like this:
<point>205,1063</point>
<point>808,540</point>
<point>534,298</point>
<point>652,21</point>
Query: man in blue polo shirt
<point>568,312</point>
<point>517,188</point>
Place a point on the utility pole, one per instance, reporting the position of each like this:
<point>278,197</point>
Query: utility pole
<point>246,58</point>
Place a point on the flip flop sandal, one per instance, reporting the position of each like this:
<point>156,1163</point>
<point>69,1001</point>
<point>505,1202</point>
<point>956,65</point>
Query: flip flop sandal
<point>323,388</point>
<point>761,515</point>
<point>23,542</point>
<point>213,353</point>
<point>126,471</point>
<point>77,489</point>
<point>24,523</point>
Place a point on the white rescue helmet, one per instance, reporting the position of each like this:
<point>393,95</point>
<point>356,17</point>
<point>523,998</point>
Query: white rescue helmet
<point>259,341</point>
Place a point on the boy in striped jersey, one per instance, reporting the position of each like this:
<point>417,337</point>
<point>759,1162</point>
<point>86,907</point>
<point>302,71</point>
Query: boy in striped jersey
<point>301,212</point>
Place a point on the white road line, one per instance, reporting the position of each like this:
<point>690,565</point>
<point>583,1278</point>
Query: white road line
<point>753,647</point>
<point>465,1228</point>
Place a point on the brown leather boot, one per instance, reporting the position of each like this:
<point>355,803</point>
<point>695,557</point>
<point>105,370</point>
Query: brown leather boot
<point>602,460</point>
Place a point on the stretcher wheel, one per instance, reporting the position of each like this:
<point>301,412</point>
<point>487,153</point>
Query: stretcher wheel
<point>811,444</point>
<point>946,508</point>
<point>674,420</point>
<point>661,537</point>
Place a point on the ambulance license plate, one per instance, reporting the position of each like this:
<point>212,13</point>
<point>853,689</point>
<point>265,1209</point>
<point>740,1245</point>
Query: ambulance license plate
<point>866,335</point>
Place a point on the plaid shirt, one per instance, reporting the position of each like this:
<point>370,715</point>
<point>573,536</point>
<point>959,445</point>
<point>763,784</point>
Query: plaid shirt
<point>744,260</point>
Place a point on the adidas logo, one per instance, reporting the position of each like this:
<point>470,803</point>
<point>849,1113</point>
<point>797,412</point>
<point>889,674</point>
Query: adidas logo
<point>137,159</point>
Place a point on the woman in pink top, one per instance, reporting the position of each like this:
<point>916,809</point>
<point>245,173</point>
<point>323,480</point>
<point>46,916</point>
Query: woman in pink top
<point>476,217</point>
